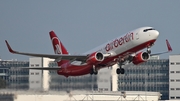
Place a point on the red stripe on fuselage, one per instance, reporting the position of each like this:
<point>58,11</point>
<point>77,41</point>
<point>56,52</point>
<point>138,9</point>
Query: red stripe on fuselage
<point>77,70</point>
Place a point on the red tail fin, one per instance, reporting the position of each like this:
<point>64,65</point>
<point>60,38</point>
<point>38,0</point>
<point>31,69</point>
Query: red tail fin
<point>58,47</point>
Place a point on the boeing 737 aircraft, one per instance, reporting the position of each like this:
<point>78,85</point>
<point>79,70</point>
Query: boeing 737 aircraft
<point>123,49</point>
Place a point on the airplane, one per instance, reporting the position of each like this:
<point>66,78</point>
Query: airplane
<point>121,50</point>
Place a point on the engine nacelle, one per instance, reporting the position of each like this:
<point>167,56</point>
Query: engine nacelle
<point>140,58</point>
<point>95,57</point>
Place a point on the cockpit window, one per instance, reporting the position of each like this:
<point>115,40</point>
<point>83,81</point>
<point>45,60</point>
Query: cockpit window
<point>148,29</point>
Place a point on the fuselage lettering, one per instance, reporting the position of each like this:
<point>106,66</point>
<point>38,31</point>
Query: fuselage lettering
<point>118,42</point>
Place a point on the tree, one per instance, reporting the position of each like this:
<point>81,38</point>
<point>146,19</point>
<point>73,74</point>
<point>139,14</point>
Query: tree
<point>2,83</point>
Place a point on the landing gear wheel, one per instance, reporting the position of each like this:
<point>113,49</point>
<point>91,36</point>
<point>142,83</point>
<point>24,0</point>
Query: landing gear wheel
<point>96,72</point>
<point>120,71</point>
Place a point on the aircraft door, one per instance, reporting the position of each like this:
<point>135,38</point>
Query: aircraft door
<point>137,36</point>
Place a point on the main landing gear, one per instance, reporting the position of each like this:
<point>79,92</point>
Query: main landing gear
<point>120,70</point>
<point>94,71</point>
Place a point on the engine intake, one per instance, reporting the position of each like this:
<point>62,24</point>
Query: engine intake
<point>95,57</point>
<point>140,58</point>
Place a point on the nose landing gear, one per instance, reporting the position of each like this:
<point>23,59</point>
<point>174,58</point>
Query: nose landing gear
<point>149,50</point>
<point>149,47</point>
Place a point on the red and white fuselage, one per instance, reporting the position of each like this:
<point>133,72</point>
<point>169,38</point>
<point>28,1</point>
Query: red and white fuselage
<point>123,48</point>
<point>118,48</point>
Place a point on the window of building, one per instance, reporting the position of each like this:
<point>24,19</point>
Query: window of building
<point>32,81</point>
<point>178,80</point>
<point>177,63</point>
<point>177,97</point>
<point>32,65</point>
<point>172,80</point>
<point>37,73</point>
<point>172,88</point>
<point>177,71</point>
<point>172,63</point>
<point>172,97</point>
<point>172,71</point>
<point>32,73</point>
<point>177,88</point>
<point>37,81</point>
<point>37,65</point>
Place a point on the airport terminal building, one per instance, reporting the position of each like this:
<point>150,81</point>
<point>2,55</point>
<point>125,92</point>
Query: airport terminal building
<point>156,75</point>
<point>149,76</point>
<point>174,77</point>
<point>16,78</point>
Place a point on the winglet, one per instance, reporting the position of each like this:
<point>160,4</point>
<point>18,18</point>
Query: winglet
<point>168,46</point>
<point>9,47</point>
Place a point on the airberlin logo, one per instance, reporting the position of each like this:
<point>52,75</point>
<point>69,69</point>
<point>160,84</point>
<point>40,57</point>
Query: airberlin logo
<point>56,45</point>
<point>118,42</point>
<point>58,49</point>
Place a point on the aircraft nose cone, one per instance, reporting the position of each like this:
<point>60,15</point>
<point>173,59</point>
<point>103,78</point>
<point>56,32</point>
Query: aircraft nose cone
<point>155,34</point>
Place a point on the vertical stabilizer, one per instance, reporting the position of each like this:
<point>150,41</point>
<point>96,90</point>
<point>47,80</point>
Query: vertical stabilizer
<point>58,47</point>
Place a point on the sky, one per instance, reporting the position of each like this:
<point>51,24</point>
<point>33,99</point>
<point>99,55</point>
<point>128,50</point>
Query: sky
<point>84,24</point>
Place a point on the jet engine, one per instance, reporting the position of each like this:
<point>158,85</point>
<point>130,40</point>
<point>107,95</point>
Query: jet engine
<point>95,57</point>
<point>140,58</point>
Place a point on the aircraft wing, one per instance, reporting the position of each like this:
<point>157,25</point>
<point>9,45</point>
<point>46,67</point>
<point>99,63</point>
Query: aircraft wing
<point>168,47</point>
<point>43,68</point>
<point>52,56</point>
